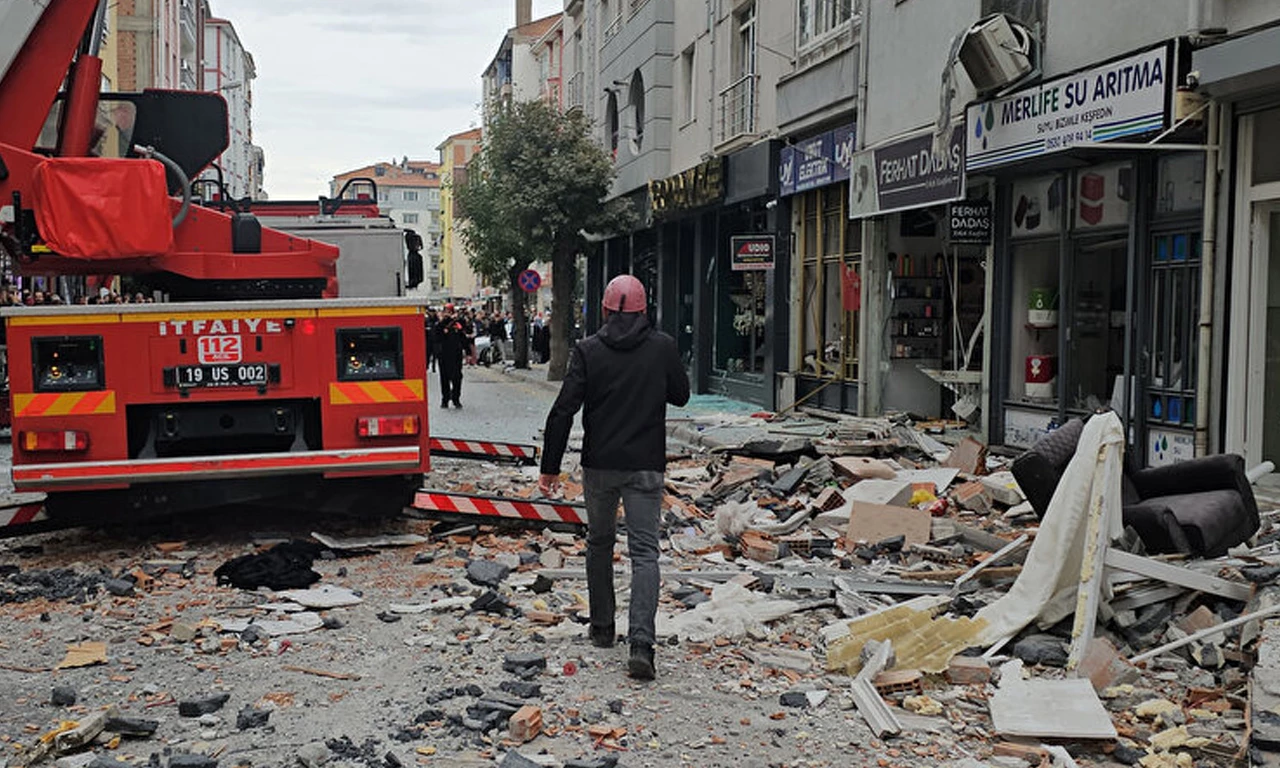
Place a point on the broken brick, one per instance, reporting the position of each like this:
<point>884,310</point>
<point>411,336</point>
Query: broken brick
<point>1104,666</point>
<point>526,723</point>
<point>969,670</point>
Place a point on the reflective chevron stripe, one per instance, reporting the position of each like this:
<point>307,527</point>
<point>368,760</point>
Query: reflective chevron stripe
<point>491,506</point>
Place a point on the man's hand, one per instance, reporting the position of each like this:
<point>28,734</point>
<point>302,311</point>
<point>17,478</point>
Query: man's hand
<point>549,485</point>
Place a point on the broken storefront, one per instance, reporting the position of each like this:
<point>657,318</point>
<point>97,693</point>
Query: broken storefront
<point>1097,253</point>
<point>926,291</point>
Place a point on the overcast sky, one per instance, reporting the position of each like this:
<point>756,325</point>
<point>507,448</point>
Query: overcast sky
<point>345,83</point>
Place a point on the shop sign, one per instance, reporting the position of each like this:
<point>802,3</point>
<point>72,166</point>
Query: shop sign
<point>1165,447</point>
<point>699,186</point>
<point>969,222</point>
<point>1128,97</point>
<point>816,162</point>
<point>752,252</point>
<point>906,174</point>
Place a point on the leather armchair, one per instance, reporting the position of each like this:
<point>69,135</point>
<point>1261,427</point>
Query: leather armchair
<point>1202,507</point>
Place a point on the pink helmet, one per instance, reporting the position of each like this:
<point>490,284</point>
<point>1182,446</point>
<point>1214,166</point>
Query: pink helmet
<point>624,293</point>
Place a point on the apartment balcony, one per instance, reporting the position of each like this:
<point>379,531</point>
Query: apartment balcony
<point>552,91</point>
<point>738,105</point>
<point>613,29</point>
<point>577,85</point>
<point>187,23</point>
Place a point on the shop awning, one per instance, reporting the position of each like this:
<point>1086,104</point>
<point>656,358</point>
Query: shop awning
<point>1240,67</point>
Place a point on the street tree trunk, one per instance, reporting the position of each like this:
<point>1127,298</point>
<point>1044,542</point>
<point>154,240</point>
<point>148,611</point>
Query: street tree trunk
<point>519,319</point>
<point>563,274</point>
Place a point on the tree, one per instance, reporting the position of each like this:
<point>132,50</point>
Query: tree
<point>533,192</point>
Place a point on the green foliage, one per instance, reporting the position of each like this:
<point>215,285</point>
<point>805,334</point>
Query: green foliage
<point>537,184</point>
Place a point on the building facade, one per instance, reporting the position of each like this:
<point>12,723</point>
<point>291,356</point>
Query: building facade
<point>457,278</point>
<point>1240,71</point>
<point>1095,230</point>
<point>408,191</point>
<point>229,71</point>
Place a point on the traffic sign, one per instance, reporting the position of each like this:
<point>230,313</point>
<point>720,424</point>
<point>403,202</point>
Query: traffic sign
<point>530,281</point>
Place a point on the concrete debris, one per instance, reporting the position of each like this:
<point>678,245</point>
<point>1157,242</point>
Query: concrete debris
<point>322,597</point>
<point>843,551</point>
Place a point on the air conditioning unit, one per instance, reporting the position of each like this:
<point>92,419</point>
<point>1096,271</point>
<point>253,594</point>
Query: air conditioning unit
<point>997,52</point>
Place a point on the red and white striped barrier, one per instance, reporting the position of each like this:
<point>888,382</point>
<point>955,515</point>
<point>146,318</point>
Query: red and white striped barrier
<point>493,506</point>
<point>21,515</point>
<point>483,449</point>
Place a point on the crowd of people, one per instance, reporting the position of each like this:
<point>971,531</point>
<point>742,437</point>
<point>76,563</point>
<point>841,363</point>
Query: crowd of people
<point>451,342</point>
<point>11,296</point>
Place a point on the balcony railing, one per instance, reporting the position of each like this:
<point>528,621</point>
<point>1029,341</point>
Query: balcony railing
<point>614,28</point>
<point>738,109</point>
<point>576,85</point>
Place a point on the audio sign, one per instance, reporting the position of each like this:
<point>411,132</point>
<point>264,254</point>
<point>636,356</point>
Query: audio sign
<point>752,252</point>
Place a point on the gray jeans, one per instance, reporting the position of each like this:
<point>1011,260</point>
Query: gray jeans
<point>641,495</point>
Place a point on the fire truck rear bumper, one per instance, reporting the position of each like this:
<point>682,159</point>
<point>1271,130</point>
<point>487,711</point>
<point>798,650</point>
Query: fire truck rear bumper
<point>70,476</point>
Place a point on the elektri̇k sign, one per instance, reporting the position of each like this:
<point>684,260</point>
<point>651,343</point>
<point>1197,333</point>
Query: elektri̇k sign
<point>1124,98</point>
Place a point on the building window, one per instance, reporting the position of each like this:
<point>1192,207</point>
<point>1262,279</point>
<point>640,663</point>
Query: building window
<point>688,60</point>
<point>411,196</point>
<point>384,196</point>
<point>819,19</point>
<point>410,218</point>
<point>1175,311</point>
<point>637,109</point>
<point>611,123</point>
<point>830,250</point>
<point>744,44</point>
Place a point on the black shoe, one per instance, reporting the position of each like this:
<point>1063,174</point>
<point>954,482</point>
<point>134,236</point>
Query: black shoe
<point>604,637</point>
<point>445,404</point>
<point>457,404</point>
<point>640,666</point>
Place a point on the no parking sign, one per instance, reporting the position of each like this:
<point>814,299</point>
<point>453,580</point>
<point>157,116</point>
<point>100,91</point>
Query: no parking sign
<point>529,281</point>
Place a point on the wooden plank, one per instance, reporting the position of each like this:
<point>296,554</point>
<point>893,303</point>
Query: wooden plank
<point>1202,634</point>
<point>1004,552</point>
<point>1140,597</point>
<point>875,522</point>
<point>1183,577</point>
<point>1089,591</point>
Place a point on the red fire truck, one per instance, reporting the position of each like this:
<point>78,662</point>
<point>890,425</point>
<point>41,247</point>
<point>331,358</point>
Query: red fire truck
<point>249,385</point>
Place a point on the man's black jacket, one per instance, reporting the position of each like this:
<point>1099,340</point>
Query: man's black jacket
<point>622,377</point>
<point>451,341</point>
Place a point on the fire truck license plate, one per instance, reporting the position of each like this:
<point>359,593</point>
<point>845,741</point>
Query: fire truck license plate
<point>244,375</point>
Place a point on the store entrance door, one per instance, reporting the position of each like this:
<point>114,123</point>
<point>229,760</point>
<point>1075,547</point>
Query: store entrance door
<point>1262,382</point>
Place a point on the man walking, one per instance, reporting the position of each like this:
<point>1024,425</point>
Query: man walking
<point>451,343</point>
<point>623,377</point>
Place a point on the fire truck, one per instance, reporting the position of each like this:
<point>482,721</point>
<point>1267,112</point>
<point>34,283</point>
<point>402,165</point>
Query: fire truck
<point>252,383</point>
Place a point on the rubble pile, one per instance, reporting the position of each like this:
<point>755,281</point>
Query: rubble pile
<point>828,597</point>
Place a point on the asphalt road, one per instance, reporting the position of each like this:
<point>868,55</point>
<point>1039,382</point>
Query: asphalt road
<point>495,406</point>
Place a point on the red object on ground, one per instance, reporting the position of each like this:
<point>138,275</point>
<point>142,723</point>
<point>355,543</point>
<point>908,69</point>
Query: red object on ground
<point>570,669</point>
<point>99,208</point>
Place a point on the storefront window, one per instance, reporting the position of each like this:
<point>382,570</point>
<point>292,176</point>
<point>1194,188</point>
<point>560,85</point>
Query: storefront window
<point>1175,310</point>
<point>1097,330</point>
<point>740,343</point>
<point>831,278</point>
<point>1033,323</point>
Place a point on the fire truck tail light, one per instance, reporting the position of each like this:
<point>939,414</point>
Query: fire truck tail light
<point>387,426</point>
<point>56,440</point>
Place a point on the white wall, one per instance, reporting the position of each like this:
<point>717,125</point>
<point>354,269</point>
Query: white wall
<point>691,138</point>
<point>1081,33</point>
<point>908,45</point>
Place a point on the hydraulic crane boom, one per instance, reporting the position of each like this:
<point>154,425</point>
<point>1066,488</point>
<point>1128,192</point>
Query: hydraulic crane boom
<point>64,211</point>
